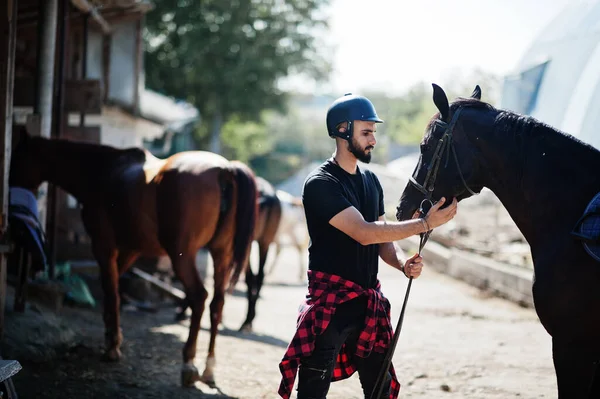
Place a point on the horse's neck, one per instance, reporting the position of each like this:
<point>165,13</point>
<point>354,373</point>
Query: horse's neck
<point>546,189</point>
<point>71,166</point>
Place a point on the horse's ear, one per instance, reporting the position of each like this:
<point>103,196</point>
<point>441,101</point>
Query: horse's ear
<point>441,102</point>
<point>476,92</point>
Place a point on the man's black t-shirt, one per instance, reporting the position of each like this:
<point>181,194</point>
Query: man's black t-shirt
<point>328,190</point>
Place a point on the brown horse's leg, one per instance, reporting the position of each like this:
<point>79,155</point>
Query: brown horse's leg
<point>106,253</point>
<point>254,283</point>
<point>222,267</point>
<point>125,260</point>
<point>109,275</point>
<point>184,266</point>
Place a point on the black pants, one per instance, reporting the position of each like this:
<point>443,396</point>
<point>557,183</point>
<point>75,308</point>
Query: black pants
<point>316,371</point>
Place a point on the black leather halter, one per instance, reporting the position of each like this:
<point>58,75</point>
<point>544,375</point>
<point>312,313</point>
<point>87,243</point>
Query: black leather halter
<point>445,144</point>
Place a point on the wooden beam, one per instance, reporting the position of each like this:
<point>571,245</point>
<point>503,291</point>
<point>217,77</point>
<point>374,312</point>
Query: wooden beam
<point>85,7</point>
<point>8,24</point>
<point>161,285</point>
<point>119,17</point>
<point>32,22</point>
<point>80,95</point>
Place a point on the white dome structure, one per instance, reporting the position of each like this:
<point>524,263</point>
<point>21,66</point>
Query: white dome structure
<point>558,79</point>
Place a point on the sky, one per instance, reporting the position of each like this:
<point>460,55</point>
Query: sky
<point>390,45</point>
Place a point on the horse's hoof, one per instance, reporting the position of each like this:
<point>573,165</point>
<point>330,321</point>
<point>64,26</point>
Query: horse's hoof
<point>246,328</point>
<point>112,355</point>
<point>189,376</point>
<point>209,380</point>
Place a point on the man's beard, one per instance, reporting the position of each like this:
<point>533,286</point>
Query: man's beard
<point>361,155</point>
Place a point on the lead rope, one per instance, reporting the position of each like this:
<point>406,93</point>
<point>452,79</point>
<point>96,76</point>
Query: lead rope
<point>387,361</point>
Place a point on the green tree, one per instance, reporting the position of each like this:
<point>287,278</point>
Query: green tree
<point>227,56</point>
<point>243,140</point>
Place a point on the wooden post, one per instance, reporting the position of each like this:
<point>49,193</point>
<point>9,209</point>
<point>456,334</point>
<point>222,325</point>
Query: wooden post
<point>139,62</point>
<point>84,54</point>
<point>40,122</point>
<point>59,123</point>
<point>106,43</point>
<point>8,24</point>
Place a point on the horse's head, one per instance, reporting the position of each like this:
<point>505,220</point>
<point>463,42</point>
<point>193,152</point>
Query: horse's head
<point>25,168</point>
<point>447,167</point>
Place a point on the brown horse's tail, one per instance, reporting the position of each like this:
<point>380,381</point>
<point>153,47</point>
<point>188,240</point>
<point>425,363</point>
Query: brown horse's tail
<point>245,218</point>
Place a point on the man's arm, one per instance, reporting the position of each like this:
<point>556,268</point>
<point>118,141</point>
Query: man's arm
<point>351,222</point>
<point>395,257</point>
<point>392,255</point>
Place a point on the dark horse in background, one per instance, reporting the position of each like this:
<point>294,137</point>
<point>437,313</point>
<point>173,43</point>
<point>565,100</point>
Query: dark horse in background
<point>267,223</point>
<point>135,204</point>
<point>545,179</point>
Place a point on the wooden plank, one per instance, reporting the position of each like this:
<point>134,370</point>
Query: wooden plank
<point>8,368</point>
<point>161,285</point>
<point>80,95</point>
<point>8,24</point>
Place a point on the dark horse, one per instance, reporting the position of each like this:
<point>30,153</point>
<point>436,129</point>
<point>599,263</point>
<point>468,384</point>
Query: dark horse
<point>135,204</point>
<point>545,179</point>
<point>267,223</point>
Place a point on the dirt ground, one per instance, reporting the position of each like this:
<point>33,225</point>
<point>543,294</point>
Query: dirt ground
<point>456,342</point>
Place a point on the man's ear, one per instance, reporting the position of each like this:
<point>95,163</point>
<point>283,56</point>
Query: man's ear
<point>342,127</point>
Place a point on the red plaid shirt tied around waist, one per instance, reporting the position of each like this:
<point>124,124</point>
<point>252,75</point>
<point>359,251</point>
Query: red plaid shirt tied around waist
<point>325,292</point>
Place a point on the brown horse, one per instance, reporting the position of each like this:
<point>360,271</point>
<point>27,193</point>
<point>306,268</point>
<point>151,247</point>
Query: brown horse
<point>267,227</point>
<point>135,204</point>
<point>267,224</point>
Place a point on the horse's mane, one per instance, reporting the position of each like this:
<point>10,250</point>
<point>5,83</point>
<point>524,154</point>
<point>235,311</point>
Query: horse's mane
<point>525,127</point>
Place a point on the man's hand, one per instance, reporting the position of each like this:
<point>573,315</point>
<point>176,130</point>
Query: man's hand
<point>413,266</point>
<point>437,217</point>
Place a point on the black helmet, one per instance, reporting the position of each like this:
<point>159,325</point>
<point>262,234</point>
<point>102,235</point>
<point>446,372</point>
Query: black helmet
<point>349,108</point>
